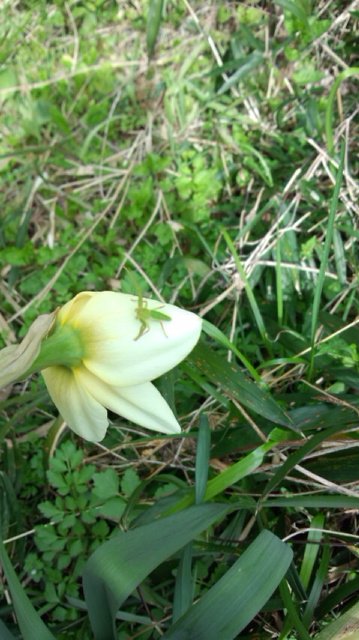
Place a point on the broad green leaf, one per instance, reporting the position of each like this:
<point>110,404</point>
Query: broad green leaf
<point>30,623</point>
<point>338,466</point>
<point>236,385</point>
<point>346,627</point>
<point>119,565</point>
<point>239,595</point>
<point>106,484</point>
<point>321,416</point>
<point>5,633</point>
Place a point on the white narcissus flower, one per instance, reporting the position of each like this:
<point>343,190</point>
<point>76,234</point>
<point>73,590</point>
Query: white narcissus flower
<point>119,355</point>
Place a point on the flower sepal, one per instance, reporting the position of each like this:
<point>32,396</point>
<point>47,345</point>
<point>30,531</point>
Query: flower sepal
<point>17,360</point>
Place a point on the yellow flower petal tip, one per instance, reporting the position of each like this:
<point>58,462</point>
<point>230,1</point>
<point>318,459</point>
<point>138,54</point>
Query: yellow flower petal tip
<point>122,343</point>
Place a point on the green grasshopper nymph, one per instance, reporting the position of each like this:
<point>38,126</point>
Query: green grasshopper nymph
<point>144,314</point>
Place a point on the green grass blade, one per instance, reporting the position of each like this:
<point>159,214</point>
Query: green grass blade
<point>347,73</point>
<point>216,334</point>
<point>237,471</point>
<point>119,565</point>
<point>250,295</point>
<point>297,456</point>
<point>153,24</point>
<point>346,627</point>
<point>297,9</point>
<point>184,579</point>
<point>236,385</point>
<point>202,458</point>
<point>30,623</point>
<point>319,501</point>
<point>293,618</point>
<point>245,66</point>
<point>340,257</point>
<point>337,597</point>
<point>279,283</point>
<point>227,478</point>
<point>184,584</point>
<point>236,598</point>
<point>325,258</point>
<point>320,577</point>
<point>311,549</point>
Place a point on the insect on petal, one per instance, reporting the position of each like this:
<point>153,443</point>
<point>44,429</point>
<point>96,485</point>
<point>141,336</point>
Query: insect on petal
<point>109,328</point>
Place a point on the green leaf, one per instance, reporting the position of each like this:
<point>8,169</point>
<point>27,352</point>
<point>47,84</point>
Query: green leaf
<point>314,502</point>
<point>228,477</point>
<point>216,334</point>
<point>112,508</point>
<point>153,24</point>
<point>248,289</point>
<point>236,385</point>
<point>202,458</point>
<point>293,618</point>
<point>325,258</point>
<point>30,623</point>
<point>5,633</point>
<point>297,456</point>
<point>184,588</point>
<point>337,597</point>
<point>297,9</point>
<point>106,484</point>
<point>245,67</point>
<point>184,584</point>
<point>130,481</point>
<point>347,73</point>
<point>346,627</point>
<point>236,598</point>
<point>119,565</point>
<point>320,579</point>
<point>312,549</point>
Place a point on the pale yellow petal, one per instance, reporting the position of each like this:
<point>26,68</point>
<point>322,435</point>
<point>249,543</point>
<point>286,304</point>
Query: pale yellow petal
<point>109,328</point>
<point>142,404</point>
<point>82,412</point>
<point>71,309</point>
